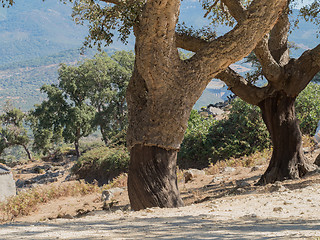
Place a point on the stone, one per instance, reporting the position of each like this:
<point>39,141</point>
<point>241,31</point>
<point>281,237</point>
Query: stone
<point>229,169</point>
<point>215,111</point>
<point>106,195</point>
<point>255,168</point>
<point>241,183</point>
<point>192,173</point>
<point>7,184</point>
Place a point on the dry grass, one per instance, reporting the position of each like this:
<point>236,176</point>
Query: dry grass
<point>27,201</point>
<point>308,141</point>
<point>120,181</point>
<point>257,158</point>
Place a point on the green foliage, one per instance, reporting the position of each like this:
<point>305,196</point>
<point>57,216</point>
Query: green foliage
<point>308,108</point>
<point>102,164</point>
<point>107,79</point>
<point>12,130</point>
<point>243,133</point>
<point>105,19</point>
<point>88,96</point>
<point>65,113</point>
<point>207,141</point>
<point>196,147</point>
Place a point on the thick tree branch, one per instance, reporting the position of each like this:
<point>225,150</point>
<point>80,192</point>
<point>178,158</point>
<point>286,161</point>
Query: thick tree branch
<point>190,43</point>
<point>236,9</point>
<point>278,41</point>
<point>270,67</point>
<point>239,86</point>
<point>239,42</point>
<point>302,70</point>
<point>116,2</point>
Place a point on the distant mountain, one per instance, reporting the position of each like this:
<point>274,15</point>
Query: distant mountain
<point>36,36</point>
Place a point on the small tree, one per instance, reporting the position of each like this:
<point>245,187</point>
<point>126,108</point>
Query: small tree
<point>12,130</point>
<point>65,113</point>
<point>107,79</point>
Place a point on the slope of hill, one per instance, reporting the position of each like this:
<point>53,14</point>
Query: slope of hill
<point>35,36</point>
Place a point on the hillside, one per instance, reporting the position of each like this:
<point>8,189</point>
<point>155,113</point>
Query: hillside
<point>36,36</point>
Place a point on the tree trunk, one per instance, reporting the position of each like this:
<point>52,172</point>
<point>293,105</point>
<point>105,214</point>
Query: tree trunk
<point>287,161</point>
<point>105,138</point>
<point>152,180</point>
<point>28,152</point>
<point>76,147</point>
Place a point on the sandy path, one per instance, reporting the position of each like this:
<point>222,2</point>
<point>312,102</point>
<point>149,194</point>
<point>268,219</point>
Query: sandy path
<point>283,214</point>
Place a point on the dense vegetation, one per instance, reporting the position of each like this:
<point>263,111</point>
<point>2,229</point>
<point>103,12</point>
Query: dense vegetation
<point>242,132</point>
<point>102,164</point>
<point>206,141</point>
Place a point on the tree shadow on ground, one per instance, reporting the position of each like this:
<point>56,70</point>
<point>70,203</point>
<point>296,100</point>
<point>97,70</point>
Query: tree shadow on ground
<point>156,227</point>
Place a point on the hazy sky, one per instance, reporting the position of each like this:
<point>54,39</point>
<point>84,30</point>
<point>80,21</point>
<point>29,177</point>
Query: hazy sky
<point>301,3</point>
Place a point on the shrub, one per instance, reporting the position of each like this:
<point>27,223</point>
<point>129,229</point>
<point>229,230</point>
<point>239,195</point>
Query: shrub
<point>195,150</point>
<point>102,164</point>
<point>308,108</point>
<point>207,141</point>
<point>243,133</point>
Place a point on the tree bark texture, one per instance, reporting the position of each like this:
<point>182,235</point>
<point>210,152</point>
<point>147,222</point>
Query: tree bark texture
<point>164,88</point>
<point>154,182</point>
<point>287,161</point>
<point>76,147</point>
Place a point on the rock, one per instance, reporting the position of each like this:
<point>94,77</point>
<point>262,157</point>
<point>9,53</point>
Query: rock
<point>216,179</point>
<point>277,186</point>
<point>45,178</point>
<point>255,168</point>
<point>215,111</point>
<point>116,190</point>
<point>187,176</point>
<point>106,195</point>
<point>192,173</point>
<point>66,216</point>
<point>241,183</point>
<point>229,169</point>
<point>238,190</point>
<point>278,209</point>
<point>7,184</point>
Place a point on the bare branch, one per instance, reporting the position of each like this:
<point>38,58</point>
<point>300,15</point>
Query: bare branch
<point>239,86</point>
<point>236,9</point>
<point>190,43</point>
<point>270,67</point>
<point>236,44</point>
<point>303,70</point>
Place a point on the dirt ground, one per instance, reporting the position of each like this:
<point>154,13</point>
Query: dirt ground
<point>225,205</point>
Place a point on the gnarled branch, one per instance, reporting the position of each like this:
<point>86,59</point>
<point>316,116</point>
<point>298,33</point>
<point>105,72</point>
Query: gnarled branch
<point>242,88</point>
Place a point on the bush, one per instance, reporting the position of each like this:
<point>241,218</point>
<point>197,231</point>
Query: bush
<point>243,133</point>
<point>308,108</point>
<point>196,150</point>
<point>102,164</point>
<point>207,141</point>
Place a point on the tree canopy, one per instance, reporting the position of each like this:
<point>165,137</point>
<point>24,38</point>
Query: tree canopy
<point>12,129</point>
<point>90,94</point>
